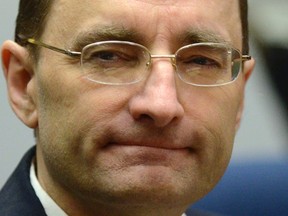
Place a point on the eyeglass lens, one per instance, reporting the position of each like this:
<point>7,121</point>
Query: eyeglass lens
<point>124,63</point>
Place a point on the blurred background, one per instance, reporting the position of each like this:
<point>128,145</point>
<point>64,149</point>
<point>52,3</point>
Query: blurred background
<point>263,134</point>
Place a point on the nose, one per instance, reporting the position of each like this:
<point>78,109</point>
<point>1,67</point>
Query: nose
<point>157,101</point>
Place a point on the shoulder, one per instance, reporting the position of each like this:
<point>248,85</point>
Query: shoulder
<point>17,197</point>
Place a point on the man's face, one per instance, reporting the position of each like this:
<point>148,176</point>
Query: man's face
<point>158,142</point>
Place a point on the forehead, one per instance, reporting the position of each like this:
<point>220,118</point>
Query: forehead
<point>166,19</point>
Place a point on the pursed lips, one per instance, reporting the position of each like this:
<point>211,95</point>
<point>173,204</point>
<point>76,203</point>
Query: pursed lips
<point>149,150</point>
<point>148,155</point>
<point>152,144</point>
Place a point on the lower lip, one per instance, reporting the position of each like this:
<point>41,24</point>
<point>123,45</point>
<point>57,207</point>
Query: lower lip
<point>146,154</point>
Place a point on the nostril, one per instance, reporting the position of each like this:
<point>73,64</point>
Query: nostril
<point>158,116</point>
<point>144,118</point>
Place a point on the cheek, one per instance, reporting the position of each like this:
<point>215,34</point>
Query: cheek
<point>71,106</point>
<point>73,121</point>
<point>223,117</point>
<point>218,116</point>
<point>216,110</point>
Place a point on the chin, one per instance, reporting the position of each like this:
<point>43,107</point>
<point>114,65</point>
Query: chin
<point>156,185</point>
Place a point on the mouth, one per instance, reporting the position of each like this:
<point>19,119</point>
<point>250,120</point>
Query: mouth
<point>149,146</point>
<point>147,154</point>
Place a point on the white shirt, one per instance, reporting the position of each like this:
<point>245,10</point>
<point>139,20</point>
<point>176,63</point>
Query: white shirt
<point>50,206</point>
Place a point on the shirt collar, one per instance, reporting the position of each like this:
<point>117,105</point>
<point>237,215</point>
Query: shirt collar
<point>50,207</point>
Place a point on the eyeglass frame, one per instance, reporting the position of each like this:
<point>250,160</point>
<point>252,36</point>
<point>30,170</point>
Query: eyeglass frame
<point>170,56</point>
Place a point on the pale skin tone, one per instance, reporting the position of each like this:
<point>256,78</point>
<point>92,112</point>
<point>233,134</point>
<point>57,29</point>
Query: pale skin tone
<point>151,148</point>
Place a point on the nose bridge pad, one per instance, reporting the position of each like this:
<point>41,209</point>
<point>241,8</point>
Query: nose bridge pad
<point>173,62</point>
<point>149,64</point>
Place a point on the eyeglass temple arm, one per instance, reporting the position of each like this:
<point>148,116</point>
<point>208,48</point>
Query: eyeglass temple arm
<point>246,57</point>
<point>77,54</point>
<point>66,52</point>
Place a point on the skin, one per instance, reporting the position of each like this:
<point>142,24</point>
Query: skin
<point>151,148</point>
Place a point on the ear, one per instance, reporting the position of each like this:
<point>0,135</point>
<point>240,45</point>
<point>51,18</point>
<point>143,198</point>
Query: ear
<point>247,71</point>
<point>248,67</point>
<point>18,72</point>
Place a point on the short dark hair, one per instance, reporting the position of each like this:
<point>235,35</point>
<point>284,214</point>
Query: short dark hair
<point>32,16</point>
<point>31,21</point>
<point>245,25</point>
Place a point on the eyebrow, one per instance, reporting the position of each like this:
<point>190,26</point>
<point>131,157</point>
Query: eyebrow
<point>98,33</point>
<point>104,33</point>
<point>201,36</point>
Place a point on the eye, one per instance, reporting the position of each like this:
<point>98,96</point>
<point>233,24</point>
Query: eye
<point>202,61</point>
<point>111,59</point>
<point>106,56</point>
<point>109,56</point>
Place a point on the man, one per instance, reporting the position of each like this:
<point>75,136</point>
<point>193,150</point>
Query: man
<point>135,104</point>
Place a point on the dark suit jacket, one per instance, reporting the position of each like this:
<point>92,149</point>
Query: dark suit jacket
<point>17,197</point>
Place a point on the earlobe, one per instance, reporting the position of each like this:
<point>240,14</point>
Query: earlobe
<point>248,68</point>
<point>18,72</point>
<point>247,71</point>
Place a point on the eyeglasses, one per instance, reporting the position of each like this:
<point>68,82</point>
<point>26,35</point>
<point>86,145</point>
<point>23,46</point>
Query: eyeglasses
<point>123,62</point>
